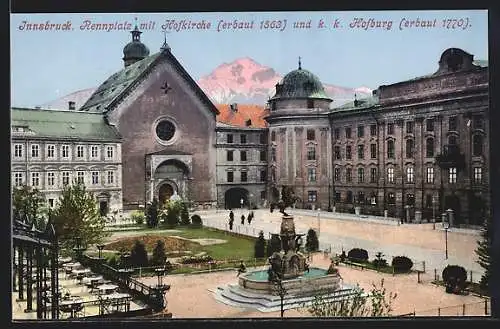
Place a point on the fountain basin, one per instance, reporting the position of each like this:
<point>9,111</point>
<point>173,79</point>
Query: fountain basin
<point>316,280</point>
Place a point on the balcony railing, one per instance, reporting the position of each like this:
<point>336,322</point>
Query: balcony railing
<point>451,157</point>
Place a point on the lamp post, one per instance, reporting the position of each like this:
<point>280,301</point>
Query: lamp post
<point>319,222</point>
<point>446,226</point>
<point>434,202</point>
<point>160,271</point>
<point>100,247</point>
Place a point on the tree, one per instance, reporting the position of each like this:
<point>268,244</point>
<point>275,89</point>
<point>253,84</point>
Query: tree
<point>28,201</point>
<point>77,217</point>
<point>173,208</point>
<point>185,214</point>
<point>260,246</point>
<point>159,254</point>
<point>484,251</point>
<point>274,245</point>
<point>152,214</point>
<point>312,242</point>
<point>359,304</point>
<point>139,255</point>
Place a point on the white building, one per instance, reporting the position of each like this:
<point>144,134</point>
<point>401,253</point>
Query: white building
<point>52,148</point>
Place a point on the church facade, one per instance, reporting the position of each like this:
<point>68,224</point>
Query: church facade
<point>413,150</point>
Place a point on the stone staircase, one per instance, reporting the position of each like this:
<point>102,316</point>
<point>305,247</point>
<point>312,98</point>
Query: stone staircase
<point>236,296</point>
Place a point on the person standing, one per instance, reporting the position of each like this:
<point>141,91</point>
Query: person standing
<point>242,219</point>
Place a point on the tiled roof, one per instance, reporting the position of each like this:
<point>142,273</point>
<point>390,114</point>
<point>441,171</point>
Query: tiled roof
<point>116,84</point>
<point>241,116</point>
<point>63,124</point>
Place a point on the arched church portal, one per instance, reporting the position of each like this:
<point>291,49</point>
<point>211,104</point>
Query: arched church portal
<point>171,177</point>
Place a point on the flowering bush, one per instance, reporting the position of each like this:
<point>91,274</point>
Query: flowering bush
<point>196,259</point>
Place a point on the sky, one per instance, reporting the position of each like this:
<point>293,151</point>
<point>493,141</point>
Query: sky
<point>46,65</point>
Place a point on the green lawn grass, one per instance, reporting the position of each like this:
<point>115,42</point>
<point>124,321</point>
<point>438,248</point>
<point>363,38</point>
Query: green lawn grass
<point>235,247</point>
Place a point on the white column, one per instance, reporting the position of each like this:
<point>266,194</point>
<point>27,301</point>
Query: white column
<point>152,189</point>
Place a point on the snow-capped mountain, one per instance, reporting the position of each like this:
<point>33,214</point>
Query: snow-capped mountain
<point>246,81</point>
<point>79,97</point>
<point>242,81</point>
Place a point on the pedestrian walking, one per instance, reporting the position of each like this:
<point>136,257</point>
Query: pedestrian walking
<point>231,222</point>
<point>231,215</point>
<point>250,217</point>
<point>242,219</point>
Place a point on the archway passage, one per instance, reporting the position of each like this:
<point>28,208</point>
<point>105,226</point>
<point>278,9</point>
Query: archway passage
<point>165,192</point>
<point>233,196</point>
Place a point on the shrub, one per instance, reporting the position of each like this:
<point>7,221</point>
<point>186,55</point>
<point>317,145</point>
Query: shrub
<point>260,246</point>
<point>139,255</point>
<point>357,255</point>
<point>379,260</point>
<point>274,245</point>
<point>173,209</point>
<point>454,277</point>
<point>138,217</point>
<point>196,221</point>
<point>185,215</point>
<point>401,264</point>
<point>312,242</point>
<point>113,262</point>
<point>159,255</point>
<point>152,214</point>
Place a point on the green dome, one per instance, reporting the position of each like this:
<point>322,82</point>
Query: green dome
<point>135,50</point>
<point>300,83</point>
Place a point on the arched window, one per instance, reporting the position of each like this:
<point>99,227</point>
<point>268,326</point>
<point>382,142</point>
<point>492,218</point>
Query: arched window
<point>429,147</point>
<point>390,149</point>
<point>409,148</point>
<point>477,145</point>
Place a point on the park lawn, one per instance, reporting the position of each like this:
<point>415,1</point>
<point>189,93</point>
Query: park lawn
<point>236,247</point>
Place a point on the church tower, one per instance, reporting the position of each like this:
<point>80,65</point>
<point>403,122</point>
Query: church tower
<point>135,50</point>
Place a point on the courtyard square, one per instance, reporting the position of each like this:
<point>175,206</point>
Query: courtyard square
<point>191,296</point>
<point>344,232</point>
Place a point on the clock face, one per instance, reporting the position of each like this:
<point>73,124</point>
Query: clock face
<point>165,130</point>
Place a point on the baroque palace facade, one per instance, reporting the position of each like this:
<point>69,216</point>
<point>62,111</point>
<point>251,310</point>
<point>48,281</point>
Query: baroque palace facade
<point>414,149</point>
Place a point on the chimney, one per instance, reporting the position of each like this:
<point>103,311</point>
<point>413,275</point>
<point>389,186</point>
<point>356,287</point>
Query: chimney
<point>234,107</point>
<point>71,105</point>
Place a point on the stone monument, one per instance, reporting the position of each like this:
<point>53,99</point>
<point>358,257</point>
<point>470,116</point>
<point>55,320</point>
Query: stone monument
<point>288,263</point>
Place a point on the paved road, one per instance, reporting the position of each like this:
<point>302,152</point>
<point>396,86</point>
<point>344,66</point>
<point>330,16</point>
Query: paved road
<point>344,231</point>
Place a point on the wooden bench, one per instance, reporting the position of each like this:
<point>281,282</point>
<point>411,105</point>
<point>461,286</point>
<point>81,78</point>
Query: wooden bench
<point>353,264</point>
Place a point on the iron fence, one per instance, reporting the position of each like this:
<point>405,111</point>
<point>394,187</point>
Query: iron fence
<point>482,308</point>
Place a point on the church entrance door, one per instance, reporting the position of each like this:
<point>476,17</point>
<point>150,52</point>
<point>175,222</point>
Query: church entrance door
<point>165,192</point>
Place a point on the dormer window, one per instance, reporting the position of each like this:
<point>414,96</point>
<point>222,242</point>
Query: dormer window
<point>248,123</point>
